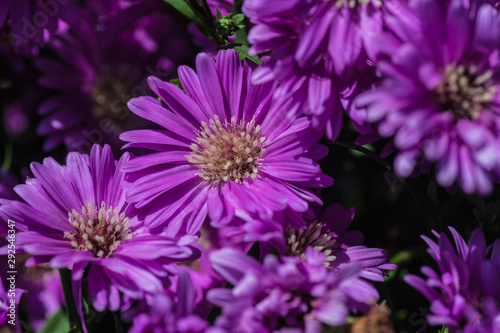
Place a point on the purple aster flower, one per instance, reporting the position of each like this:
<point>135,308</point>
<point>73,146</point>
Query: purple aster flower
<point>439,95</point>
<point>328,234</point>
<point>228,149</point>
<point>318,53</point>
<point>291,234</point>
<point>286,293</point>
<point>76,215</point>
<point>163,313</point>
<point>465,293</point>
<point>93,72</point>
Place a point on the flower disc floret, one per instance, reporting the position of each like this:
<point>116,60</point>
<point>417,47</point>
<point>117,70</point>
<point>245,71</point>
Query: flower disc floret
<point>464,91</point>
<point>226,147</point>
<point>106,247</point>
<point>98,231</point>
<point>354,3</point>
<point>298,241</point>
<point>227,151</point>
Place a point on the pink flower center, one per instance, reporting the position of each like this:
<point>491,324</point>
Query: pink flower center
<point>98,231</point>
<point>228,151</point>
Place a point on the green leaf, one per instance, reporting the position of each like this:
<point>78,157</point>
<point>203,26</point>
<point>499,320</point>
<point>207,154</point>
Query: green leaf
<point>243,53</point>
<point>69,299</point>
<point>118,324</point>
<point>240,37</point>
<point>218,16</point>
<point>238,18</point>
<point>229,24</point>
<point>57,323</point>
<point>444,330</point>
<point>8,157</point>
<point>187,11</point>
<point>177,82</point>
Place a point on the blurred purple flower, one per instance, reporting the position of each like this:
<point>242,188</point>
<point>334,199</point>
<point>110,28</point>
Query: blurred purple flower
<point>94,73</point>
<point>44,296</point>
<point>15,119</point>
<point>318,53</point>
<point>465,293</point>
<point>286,293</point>
<point>228,150</point>
<point>439,97</point>
<point>76,215</point>
<point>163,313</point>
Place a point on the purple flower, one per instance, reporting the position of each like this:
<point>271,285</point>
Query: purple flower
<point>94,73</point>
<point>286,293</point>
<point>76,215</point>
<point>163,313</point>
<point>291,234</point>
<point>227,149</point>
<point>328,234</point>
<point>439,96</point>
<point>318,53</point>
<point>465,293</point>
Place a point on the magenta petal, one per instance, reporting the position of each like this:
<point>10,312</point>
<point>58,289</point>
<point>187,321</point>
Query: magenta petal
<point>151,186</point>
<point>210,85</point>
<point>151,109</point>
<point>67,259</point>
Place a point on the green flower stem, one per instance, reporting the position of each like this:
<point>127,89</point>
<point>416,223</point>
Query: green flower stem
<point>71,311</point>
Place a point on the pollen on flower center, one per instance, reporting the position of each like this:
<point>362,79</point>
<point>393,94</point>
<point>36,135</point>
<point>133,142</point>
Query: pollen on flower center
<point>354,3</point>
<point>464,91</point>
<point>297,241</point>
<point>228,151</point>
<point>98,231</point>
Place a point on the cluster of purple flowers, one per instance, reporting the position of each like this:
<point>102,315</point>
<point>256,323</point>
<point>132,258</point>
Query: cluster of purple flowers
<point>212,221</point>
<point>435,90</point>
<point>465,294</point>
